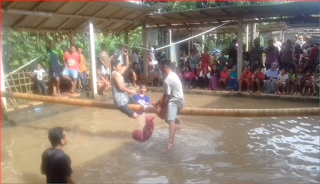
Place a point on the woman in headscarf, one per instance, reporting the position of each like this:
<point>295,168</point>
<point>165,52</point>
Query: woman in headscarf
<point>271,78</point>
<point>272,54</point>
<point>214,78</point>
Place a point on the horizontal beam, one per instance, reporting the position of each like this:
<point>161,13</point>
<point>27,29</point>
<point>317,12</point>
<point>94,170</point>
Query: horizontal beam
<point>231,23</point>
<point>314,111</point>
<point>49,14</point>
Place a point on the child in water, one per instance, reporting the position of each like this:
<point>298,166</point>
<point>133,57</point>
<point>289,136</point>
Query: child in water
<point>39,74</point>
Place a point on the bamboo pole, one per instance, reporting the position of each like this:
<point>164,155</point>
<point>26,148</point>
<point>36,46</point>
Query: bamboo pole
<point>184,111</point>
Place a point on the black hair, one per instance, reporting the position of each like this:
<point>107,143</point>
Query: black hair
<point>55,135</point>
<point>114,62</point>
<point>135,63</point>
<point>142,85</point>
<point>72,45</point>
<point>165,62</point>
<point>189,68</point>
<point>257,59</point>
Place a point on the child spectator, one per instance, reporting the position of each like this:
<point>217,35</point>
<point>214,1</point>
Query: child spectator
<point>155,76</point>
<point>141,97</point>
<point>271,78</point>
<point>315,82</point>
<point>233,81</point>
<point>204,78</point>
<point>299,80</point>
<point>257,79</point>
<point>307,83</point>
<point>195,82</point>
<point>39,74</point>
<point>291,81</point>
<point>282,82</point>
<point>214,78</point>
<point>245,79</point>
<point>306,65</point>
<point>102,83</point>
<point>224,76</point>
<point>186,77</point>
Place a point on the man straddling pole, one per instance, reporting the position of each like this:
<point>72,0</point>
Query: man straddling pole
<point>171,101</point>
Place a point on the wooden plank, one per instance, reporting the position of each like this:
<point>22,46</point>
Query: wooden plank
<point>34,103</point>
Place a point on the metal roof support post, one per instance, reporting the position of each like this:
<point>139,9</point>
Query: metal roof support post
<point>145,53</point>
<point>93,72</point>
<point>240,47</point>
<point>247,37</point>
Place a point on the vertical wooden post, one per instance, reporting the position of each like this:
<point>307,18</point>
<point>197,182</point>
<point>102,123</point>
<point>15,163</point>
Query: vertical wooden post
<point>126,39</point>
<point>93,69</point>
<point>253,34</point>
<point>240,47</point>
<point>247,37</point>
<point>71,35</point>
<point>144,52</point>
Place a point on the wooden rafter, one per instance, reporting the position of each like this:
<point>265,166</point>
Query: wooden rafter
<point>99,11</point>
<point>184,15</point>
<point>62,6</point>
<point>119,28</point>
<point>106,27</point>
<point>20,20</point>
<point>82,8</point>
<point>116,12</point>
<point>36,6</point>
<point>203,13</point>
<point>63,23</point>
<point>10,4</point>
<point>42,23</point>
<point>126,15</point>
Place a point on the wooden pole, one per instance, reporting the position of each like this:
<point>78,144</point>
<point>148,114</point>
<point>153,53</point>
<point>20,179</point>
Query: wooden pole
<point>240,48</point>
<point>184,111</point>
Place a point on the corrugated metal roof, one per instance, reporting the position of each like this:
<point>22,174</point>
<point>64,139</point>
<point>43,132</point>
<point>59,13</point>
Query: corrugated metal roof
<point>227,13</point>
<point>63,16</point>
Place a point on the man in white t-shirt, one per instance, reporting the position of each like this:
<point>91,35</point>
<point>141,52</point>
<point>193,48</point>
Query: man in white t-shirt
<point>171,101</point>
<point>119,53</point>
<point>151,52</point>
<point>276,43</point>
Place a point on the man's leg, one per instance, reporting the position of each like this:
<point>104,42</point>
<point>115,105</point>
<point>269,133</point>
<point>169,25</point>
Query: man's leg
<point>43,87</point>
<point>74,75</point>
<point>172,112</point>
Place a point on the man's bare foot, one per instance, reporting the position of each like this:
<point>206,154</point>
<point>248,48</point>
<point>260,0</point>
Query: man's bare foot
<point>179,125</point>
<point>169,146</point>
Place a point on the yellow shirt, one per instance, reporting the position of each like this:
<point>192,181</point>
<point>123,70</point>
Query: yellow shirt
<point>82,65</point>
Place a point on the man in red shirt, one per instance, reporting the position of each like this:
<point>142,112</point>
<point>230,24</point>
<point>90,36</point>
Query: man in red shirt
<point>71,60</point>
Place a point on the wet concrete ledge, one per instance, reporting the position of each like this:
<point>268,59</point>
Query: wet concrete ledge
<point>296,98</point>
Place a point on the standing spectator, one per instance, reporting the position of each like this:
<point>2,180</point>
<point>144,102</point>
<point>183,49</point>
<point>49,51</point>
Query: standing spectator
<point>39,74</point>
<point>255,52</point>
<point>205,58</point>
<point>287,55</point>
<point>295,42</point>
<point>56,165</point>
<point>82,70</point>
<point>314,54</point>
<point>272,54</point>
<point>71,59</point>
<point>233,52</point>
<point>105,63</point>
<point>54,69</point>
<point>134,56</point>
<point>193,57</point>
<point>276,43</point>
<point>301,43</point>
<point>151,52</point>
<point>271,78</point>
<point>119,54</point>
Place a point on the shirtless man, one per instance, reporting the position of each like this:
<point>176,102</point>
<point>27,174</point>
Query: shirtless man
<point>171,102</point>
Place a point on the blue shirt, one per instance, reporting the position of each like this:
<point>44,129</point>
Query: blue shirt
<point>143,100</point>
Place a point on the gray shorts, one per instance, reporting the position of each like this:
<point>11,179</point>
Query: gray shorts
<point>172,111</point>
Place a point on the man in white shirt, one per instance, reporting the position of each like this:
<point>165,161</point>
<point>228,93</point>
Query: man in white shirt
<point>171,101</point>
<point>119,53</point>
<point>276,43</point>
<point>151,52</point>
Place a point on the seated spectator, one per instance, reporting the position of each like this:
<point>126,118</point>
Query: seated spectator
<point>306,65</point>
<point>291,81</point>
<point>233,81</point>
<point>307,83</point>
<point>224,76</point>
<point>271,78</point>
<point>214,78</point>
<point>222,63</point>
<point>135,75</point>
<point>186,76</point>
<point>204,78</point>
<point>315,82</point>
<point>257,64</point>
<point>102,83</point>
<point>281,82</point>
<point>193,58</point>
<point>299,80</point>
<point>155,76</point>
<point>195,82</point>
<point>141,97</point>
<point>39,75</point>
<point>245,79</point>
<point>257,79</point>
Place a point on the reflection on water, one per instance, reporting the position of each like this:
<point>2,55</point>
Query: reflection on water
<point>207,149</point>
